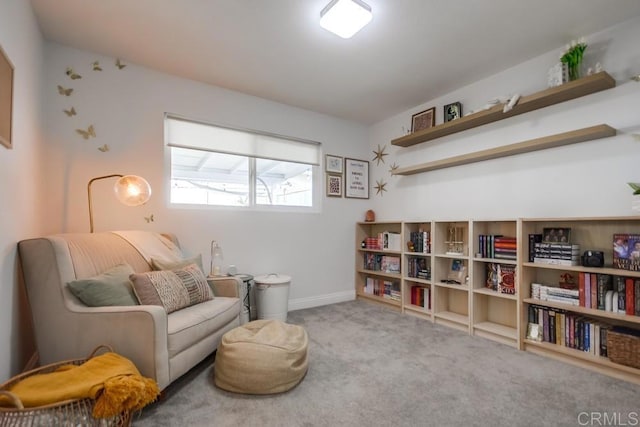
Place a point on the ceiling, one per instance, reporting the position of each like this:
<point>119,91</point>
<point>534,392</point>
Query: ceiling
<point>411,52</point>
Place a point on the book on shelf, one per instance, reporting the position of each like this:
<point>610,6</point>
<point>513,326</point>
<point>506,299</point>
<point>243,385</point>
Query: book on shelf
<point>391,241</point>
<point>491,281</point>
<point>567,329</point>
<point>384,263</point>
<point>533,239</point>
<point>420,241</point>
<point>507,279</point>
<point>418,267</point>
<point>421,297</point>
<point>383,288</point>
<point>497,246</point>
<point>626,251</point>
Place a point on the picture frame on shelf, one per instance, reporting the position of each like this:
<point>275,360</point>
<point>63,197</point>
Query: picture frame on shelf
<point>559,235</point>
<point>356,179</point>
<point>423,120</point>
<point>333,164</point>
<point>334,185</point>
<point>6,99</point>
<point>452,111</point>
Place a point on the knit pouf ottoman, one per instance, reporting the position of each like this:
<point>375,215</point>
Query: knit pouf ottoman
<point>261,357</point>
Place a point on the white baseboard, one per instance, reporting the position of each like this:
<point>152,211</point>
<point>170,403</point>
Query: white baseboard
<point>300,303</point>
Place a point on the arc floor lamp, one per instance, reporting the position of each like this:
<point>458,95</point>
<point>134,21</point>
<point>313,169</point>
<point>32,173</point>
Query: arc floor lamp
<point>130,190</point>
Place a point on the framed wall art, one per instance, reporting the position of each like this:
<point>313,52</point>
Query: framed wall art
<point>6,99</point>
<point>356,179</point>
<point>423,120</point>
<point>452,111</point>
<point>333,164</point>
<point>334,185</point>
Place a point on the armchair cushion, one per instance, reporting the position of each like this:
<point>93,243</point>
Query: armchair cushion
<point>111,288</point>
<point>172,289</point>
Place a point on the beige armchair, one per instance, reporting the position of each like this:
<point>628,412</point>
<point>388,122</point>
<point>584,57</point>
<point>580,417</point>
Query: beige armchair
<point>163,346</point>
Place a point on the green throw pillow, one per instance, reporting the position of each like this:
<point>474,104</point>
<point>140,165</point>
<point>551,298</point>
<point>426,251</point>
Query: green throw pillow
<point>112,287</point>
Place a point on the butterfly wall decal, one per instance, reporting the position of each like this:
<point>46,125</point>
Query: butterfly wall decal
<point>86,134</point>
<point>119,64</point>
<point>71,112</point>
<point>72,74</point>
<point>149,218</point>
<point>104,148</point>
<point>96,66</point>
<point>64,91</point>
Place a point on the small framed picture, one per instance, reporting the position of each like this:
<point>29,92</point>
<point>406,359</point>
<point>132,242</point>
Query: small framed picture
<point>423,120</point>
<point>452,111</point>
<point>534,332</point>
<point>334,185</point>
<point>333,164</point>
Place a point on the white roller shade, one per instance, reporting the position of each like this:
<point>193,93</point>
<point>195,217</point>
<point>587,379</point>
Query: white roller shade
<point>187,134</point>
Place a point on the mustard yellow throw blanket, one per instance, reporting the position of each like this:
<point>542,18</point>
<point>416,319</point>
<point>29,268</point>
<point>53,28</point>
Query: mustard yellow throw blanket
<point>112,380</point>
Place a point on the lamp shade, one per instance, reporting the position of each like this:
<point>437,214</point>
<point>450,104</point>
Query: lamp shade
<point>132,190</point>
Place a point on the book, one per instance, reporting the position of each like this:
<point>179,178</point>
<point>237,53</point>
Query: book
<point>630,299</point>
<point>533,239</point>
<point>620,288</point>
<point>507,279</point>
<point>491,281</point>
<point>604,285</point>
<point>626,251</point>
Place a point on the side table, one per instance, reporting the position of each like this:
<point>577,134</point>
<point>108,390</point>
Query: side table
<point>245,291</point>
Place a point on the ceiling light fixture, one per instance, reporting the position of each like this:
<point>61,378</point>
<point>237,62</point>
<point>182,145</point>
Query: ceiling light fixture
<point>345,17</point>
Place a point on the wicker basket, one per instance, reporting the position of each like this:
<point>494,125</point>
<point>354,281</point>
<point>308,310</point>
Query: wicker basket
<point>623,347</point>
<point>75,412</point>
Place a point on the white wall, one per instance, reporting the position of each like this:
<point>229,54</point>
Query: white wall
<point>126,108</point>
<point>20,188</point>
<point>585,179</point>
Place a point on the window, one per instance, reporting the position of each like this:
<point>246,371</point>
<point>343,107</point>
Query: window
<point>215,165</point>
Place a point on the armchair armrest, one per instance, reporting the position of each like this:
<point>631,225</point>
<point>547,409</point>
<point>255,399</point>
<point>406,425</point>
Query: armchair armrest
<point>225,286</point>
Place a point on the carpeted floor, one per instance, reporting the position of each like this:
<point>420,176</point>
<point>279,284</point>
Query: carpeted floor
<point>371,366</point>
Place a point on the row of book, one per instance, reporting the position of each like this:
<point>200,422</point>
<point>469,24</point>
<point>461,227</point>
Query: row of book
<point>385,263</point>
<point>418,268</point>
<point>383,288</point>
<point>568,329</point>
<point>555,294</point>
<point>611,293</point>
<point>556,253</point>
<point>497,246</point>
<point>501,278</point>
<point>421,297</point>
<point>615,294</point>
<point>385,241</point>
<point>420,241</point>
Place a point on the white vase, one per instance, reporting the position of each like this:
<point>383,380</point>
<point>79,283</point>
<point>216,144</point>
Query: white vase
<point>635,204</point>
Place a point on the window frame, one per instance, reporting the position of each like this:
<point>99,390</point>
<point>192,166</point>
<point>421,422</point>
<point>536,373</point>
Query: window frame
<point>316,186</point>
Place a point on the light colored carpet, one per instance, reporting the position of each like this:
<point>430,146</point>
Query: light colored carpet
<point>371,366</point>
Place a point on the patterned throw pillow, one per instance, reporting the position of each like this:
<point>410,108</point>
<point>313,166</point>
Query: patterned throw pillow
<point>172,289</point>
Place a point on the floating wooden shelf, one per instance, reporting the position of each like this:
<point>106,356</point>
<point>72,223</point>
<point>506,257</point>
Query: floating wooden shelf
<point>555,95</point>
<point>566,138</point>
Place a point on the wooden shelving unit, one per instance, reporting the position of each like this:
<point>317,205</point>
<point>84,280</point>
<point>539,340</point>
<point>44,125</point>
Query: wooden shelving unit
<point>474,308</point>
<point>575,89</point>
<point>372,229</point>
<point>552,141</point>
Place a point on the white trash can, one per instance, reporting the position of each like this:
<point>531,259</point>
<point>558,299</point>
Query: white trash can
<point>272,296</point>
